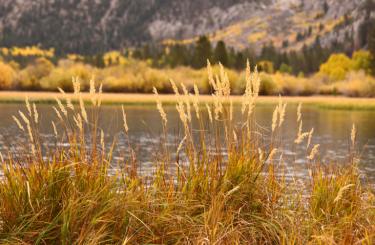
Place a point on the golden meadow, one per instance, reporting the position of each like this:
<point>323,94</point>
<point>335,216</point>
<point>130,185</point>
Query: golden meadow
<point>228,185</point>
<point>340,75</point>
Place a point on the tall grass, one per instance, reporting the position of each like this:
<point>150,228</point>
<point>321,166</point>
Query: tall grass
<point>223,182</point>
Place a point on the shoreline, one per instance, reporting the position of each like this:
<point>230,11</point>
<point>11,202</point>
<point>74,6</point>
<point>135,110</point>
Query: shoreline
<point>325,102</point>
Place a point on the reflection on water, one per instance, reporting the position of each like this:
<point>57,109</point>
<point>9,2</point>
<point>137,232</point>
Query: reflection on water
<point>331,131</point>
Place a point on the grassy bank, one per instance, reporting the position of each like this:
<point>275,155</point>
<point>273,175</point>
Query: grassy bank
<point>222,183</point>
<point>327,102</point>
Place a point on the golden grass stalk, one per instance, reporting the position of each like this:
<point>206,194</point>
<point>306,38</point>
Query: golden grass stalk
<point>159,107</point>
<point>341,192</point>
<point>174,87</point>
<point>272,154</point>
<point>93,95</point>
<point>28,106</point>
<point>353,135</point>
<point>275,118</point>
<point>83,110</point>
<point>282,109</point>
<point>314,152</point>
<point>310,137</point>
<point>196,100</point>
<point>209,113</point>
<point>182,114</point>
<point>69,103</point>
<point>187,101</point>
<point>180,145</point>
<point>100,93</point>
<point>61,107</point>
<point>126,128</point>
<point>57,113</point>
<point>102,143</point>
<point>76,85</point>
<point>36,115</point>
<point>18,123</point>
<point>78,121</point>
<point>299,114</point>
<point>54,128</point>
<point>29,130</point>
<point>251,90</point>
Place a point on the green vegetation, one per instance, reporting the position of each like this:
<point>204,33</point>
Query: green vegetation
<point>201,190</point>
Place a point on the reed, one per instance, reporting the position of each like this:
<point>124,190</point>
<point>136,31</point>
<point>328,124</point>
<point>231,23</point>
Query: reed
<point>226,185</point>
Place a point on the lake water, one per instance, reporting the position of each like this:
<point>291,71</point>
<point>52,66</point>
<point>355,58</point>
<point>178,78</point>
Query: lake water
<point>331,130</point>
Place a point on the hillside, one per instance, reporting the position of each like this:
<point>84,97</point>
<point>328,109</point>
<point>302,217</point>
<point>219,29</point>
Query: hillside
<point>89,26</point>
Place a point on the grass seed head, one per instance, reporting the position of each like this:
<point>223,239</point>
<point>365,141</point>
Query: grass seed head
<point>61,107</point>
<point>196,100</point>
<point>209,112</point>
<point>314,152</point>
<point>54,128</point>
<point>353,134</point>
<point>36,115</point>
<point>174,87</point>
<point>310,137</point>
<point>28,106</point>
<point>83,110</point>
<point>76,85</point>
<point>57,113</point>
<point>299,114</point>
<point>275,118</point>
<point>126,128</point>
<point>18,123</point>
<point>160,108</point>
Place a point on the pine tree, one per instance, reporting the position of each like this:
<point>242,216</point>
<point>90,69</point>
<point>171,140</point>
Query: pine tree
<point>178,56</point>
<point>202,52</point>
<point>221,54</point>
<point>371,46</point>
<point>270,53</point>
<point>240,61</point>
<point>99,61</point>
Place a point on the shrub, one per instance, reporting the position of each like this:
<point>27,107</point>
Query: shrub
<point>30,77</point>
<point>284,68</point>
<point>357,84</point>
<point>337,66</point>
<point>291,85</point>
<point>266,66</point>
<point>268,86</point>
<point>62,75</point>
<point>113,58</point>
<point>7,75</point>
<point>134,77</point>
<point>362,61</point>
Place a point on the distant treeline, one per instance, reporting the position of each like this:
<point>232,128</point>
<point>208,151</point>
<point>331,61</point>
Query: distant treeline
<point>269,59</point>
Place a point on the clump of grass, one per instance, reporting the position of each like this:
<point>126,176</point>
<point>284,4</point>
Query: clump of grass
<point>222,185</point>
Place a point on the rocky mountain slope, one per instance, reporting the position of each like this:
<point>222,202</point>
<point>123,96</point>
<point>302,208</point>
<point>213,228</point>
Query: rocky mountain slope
<point>89,26</point>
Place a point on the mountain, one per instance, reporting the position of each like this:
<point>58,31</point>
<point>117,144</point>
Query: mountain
<point>90,26</point>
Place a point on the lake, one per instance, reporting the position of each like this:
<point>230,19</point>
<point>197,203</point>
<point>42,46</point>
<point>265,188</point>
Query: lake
<point>331,130</point>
